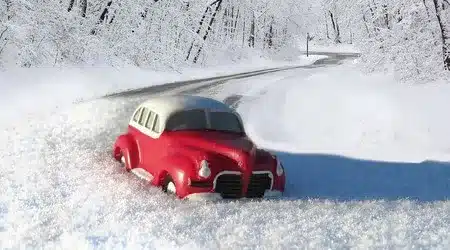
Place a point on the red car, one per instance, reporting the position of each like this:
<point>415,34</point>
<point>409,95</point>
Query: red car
<point>196,148</point>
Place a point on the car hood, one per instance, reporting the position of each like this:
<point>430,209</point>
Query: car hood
<point>237,147</point>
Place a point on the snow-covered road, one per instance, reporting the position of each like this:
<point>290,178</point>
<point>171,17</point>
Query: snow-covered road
<point>61,189</point>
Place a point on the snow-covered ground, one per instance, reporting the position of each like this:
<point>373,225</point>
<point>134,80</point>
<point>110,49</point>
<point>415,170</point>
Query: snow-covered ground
<point>61,189</point>
<point>27,89</point>
<point>327,47</point>
<point>342,111</point>
<point>345,135</point>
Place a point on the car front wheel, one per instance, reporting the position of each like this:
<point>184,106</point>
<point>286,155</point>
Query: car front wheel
<point>169,186</point>
<point>123,163</point>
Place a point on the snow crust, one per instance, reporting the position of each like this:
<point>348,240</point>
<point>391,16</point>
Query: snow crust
<point>61,188</point>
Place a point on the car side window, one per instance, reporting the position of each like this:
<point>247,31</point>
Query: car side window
<point>156,125</point>
<point>150,120</point>
<point>137,115</point>
<point>144,116</point>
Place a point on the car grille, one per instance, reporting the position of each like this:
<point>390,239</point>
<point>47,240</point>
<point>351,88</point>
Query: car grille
<point>258,184</point>
<point>229,186</point>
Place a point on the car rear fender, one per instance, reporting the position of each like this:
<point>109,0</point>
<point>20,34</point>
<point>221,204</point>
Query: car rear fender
<point>125,143</point>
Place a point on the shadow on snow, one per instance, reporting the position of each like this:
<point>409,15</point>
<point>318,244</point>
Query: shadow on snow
<point>319,176</point>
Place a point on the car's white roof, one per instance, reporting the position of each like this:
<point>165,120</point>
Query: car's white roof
<point>167,105</point>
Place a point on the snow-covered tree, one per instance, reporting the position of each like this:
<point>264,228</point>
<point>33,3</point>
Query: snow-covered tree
<point>409,36</point>
<point>442,8</point>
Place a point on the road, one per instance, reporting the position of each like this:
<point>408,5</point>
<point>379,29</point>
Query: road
<point>196,86</point>
<point>131,98</point>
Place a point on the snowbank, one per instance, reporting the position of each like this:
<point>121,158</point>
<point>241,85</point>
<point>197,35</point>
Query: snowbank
<point>343,111</point>
<point>343,135</point>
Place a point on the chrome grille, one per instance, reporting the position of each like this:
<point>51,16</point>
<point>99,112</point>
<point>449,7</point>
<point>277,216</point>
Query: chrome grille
<point>229,186</point>
<point>259,183</point>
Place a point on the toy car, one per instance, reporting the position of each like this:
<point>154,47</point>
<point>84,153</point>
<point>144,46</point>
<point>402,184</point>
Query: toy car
<point>196,148</point>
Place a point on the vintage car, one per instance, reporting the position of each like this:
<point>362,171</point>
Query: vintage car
<point>196,148</point>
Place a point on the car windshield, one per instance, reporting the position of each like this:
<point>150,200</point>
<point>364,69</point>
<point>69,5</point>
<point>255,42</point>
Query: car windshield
<point>225,121</point>
<point>187,120</point>
<point>197,120</point>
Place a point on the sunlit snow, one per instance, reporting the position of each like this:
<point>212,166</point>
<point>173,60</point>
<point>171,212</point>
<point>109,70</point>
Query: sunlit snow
<point>61,188</point>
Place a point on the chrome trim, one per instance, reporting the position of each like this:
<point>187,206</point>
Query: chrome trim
<point>203,197</point>
<point>222,173</point>
<point>239,173</point>
<point>266,172</point>
<point>268,194</point>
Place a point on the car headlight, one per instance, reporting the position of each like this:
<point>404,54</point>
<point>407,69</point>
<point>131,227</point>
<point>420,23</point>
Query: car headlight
<point>204,170</point>
<point>280,169</point>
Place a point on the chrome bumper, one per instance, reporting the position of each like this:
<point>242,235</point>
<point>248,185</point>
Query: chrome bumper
<point>268,194</point>
<point>203,197</point>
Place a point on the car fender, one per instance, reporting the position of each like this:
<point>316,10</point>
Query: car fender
<point>179,167</point>
<point>126,144</point>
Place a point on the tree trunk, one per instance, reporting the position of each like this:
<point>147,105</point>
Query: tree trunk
<point>269,35</point>
<point>83,8</point>
<point>71,3</point>
<point>372,13</point>
<point>426,8</point>
<point>235,23</point>
<point>251,39</point>
<point>200,25</point>
<point>105,12</point>
<point>225,21</point>
<point>232,26</point>
<point>243,33</point>
<point>103,16</point>
<point>365,25</point>
<point>351,37</point>
<point>3,39</point>
<point>442,7</point>
<point>326,25</point>
<point>337,35</point>
<point>211,22</point>
<point>386,16</point>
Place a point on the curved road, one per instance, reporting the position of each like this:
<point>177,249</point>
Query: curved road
<point>195,86</point>
<point>136,96</point>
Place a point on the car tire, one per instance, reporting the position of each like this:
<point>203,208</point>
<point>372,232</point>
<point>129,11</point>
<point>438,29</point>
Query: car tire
<point>123,162</point>
<point>169,186</point>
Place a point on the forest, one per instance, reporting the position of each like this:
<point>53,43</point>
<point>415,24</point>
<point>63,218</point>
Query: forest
<point>409,37</point>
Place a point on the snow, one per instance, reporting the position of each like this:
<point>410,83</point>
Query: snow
<point>326,46</point>
<point>63,189</point>
<point>365,136</point>
<point>343,111</point>
<point>63,86</point>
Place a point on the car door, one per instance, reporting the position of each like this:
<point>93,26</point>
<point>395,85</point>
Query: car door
<point>138,133</point>
<point>135,133</point>
<point>151,143</point>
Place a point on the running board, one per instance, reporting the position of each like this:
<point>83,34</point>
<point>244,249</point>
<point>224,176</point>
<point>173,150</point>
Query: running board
<point>142,174</point>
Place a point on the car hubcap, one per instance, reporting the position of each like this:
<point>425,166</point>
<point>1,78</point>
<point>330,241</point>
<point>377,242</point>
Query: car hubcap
<point>122,159</point>
<point>171,188</point>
